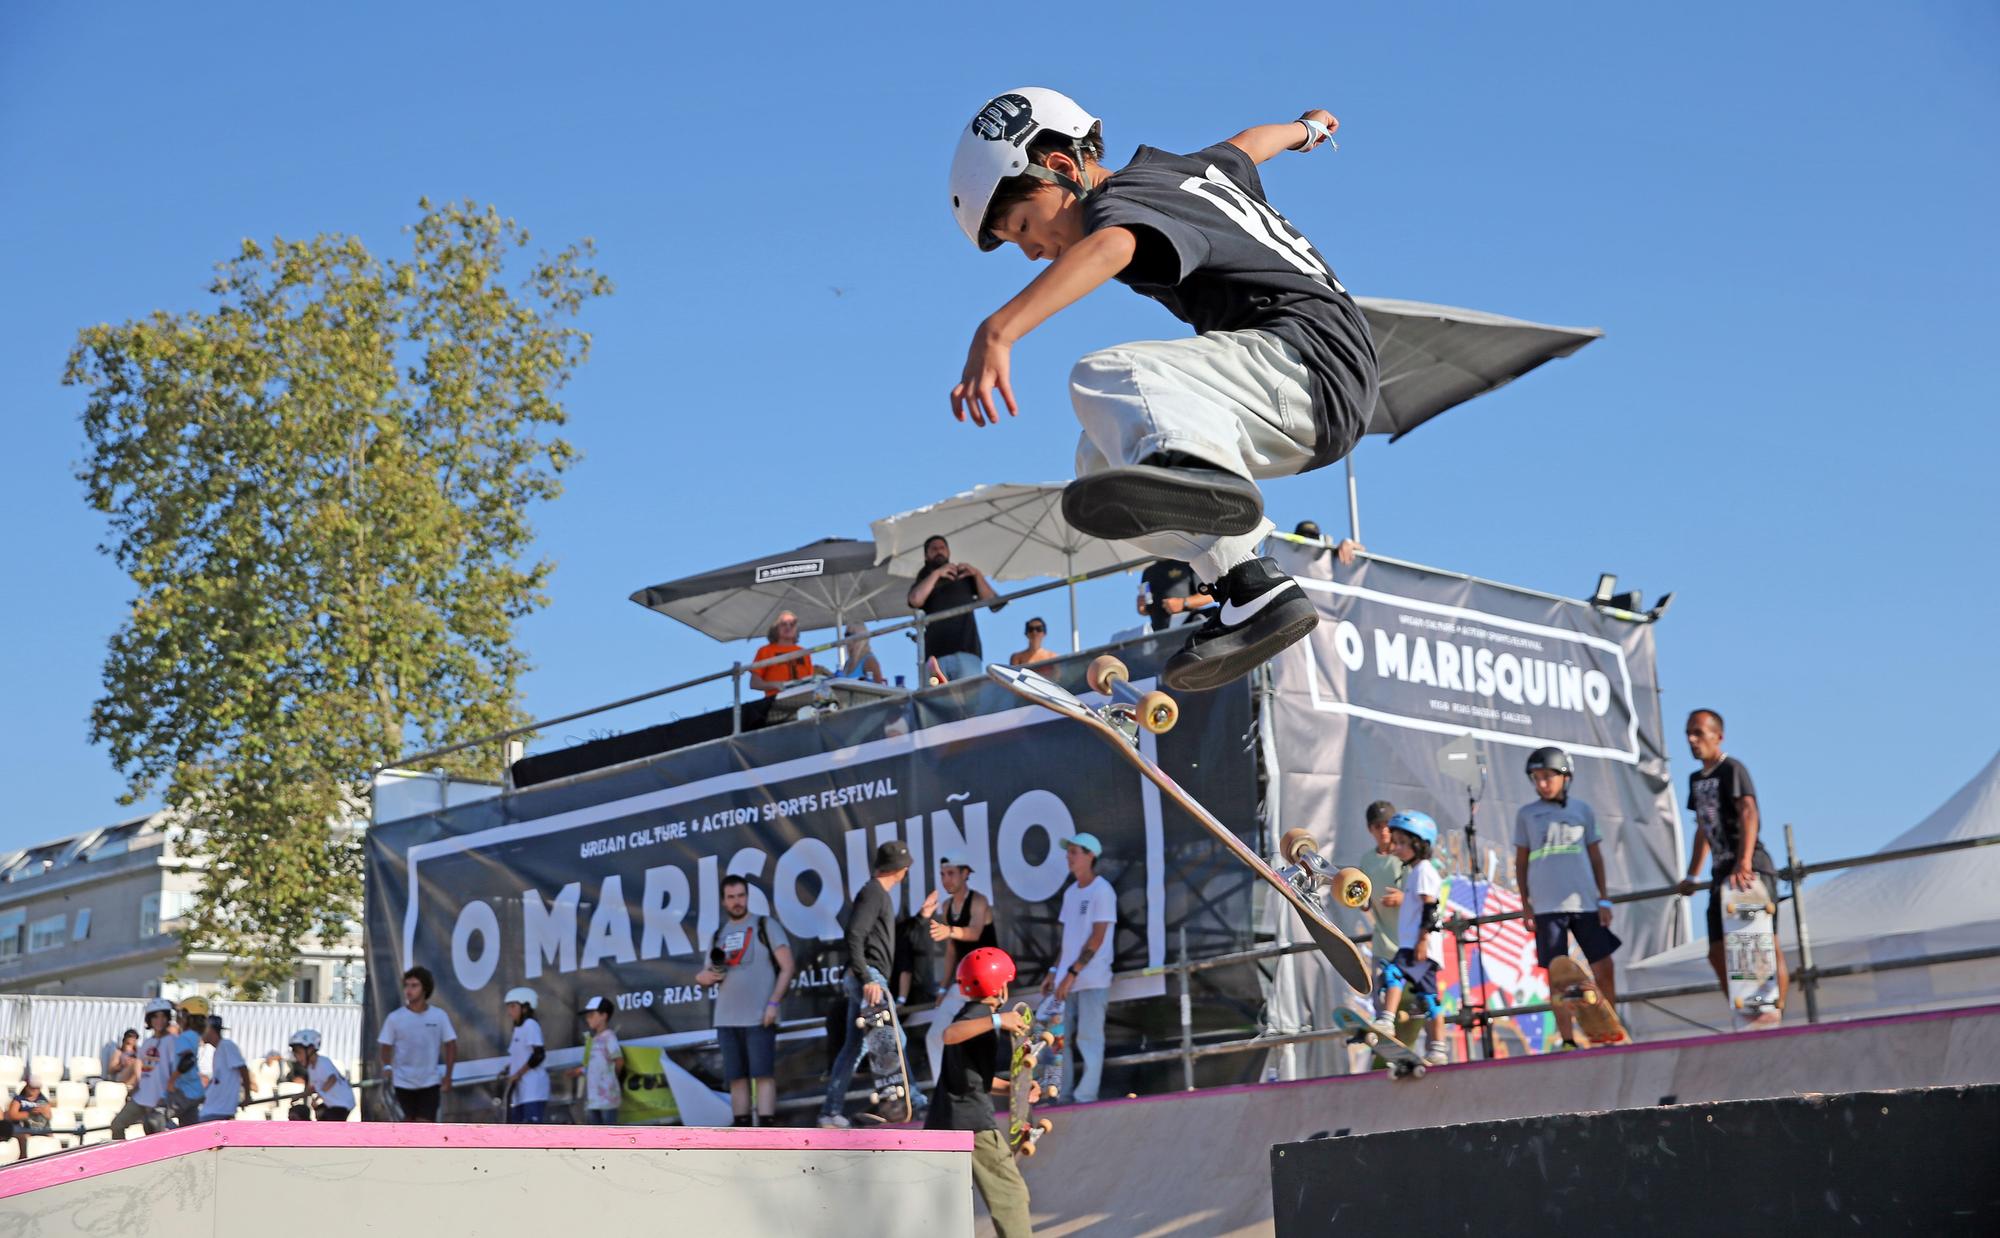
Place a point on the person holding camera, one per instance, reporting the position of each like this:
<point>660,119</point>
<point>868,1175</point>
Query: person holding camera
<point>750,961</point>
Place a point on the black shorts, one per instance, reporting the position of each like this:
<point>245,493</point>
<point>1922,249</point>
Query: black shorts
<point>419,1104</point>
<point>1418,976</point>
<point>1715,901</point>
<point>1554,931</point>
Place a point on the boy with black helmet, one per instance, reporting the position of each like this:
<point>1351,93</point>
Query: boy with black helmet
<point>1412,838</point>
<point>972,1071</point>
<point>1559,867</point>
<point>1280,379</point>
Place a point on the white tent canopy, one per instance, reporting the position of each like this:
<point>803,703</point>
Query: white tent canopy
<point>1899,909</point>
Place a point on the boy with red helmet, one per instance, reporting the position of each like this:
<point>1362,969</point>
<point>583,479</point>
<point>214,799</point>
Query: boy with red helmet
<point>972,1072</point>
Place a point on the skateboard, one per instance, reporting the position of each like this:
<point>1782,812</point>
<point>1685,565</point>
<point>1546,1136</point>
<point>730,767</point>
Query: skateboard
<point>883,1042</point>
<point>1030,1047</point>
<point>1750,955</point>
<point>1570,985</point>
<point>1402,1061</point>
<point>1051,1020</point>
<point>1119,722</point>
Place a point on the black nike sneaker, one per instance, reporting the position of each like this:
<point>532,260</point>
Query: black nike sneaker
<point>1262,611</point>
<point>1166,494</point>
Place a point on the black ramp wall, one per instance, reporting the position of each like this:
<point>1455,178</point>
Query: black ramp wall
<point>1921,1161</point>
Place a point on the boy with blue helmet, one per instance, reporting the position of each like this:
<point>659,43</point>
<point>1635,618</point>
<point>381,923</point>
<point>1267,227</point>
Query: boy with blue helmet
<point>1412,838</point>
<point>1279,379</point>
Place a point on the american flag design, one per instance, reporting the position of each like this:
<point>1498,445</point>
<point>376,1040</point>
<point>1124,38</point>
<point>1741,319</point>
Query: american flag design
<point>1502,969</point>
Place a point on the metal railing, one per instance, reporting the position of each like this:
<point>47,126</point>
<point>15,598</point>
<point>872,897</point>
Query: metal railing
<point>1806,977</point>
<point>735,672</point>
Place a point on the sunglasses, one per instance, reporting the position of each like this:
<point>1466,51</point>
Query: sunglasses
<point>1036,627</point>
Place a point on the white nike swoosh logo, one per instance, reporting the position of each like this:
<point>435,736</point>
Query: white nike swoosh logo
<point>1232,614</point>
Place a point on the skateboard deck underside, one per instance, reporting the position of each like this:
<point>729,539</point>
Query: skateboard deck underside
<point>1750,956</point>
<point>1570,985</point>
<point>1345,958</point>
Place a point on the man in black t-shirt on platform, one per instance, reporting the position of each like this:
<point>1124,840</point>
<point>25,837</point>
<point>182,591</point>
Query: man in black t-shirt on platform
<point>1280,377</point>
<point>944,585</point>
<point>1728,825</point>
<point>871,956</point>
<point>974,1070</point>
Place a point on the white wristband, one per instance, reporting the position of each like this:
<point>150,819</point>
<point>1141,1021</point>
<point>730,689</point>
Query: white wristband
<point>1316,132</point>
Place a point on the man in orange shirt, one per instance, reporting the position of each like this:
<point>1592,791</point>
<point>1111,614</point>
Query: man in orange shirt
<point>783,638</point>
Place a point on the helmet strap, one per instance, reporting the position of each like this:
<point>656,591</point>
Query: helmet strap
<point>1078,189</point>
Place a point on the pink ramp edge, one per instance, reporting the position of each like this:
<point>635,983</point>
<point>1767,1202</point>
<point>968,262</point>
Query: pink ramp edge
<point>103,1158</point>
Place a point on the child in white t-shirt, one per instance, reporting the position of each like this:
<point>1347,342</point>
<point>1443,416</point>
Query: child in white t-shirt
<point>328,1097</point>
<point>527,1079</point>
<point>1412,835</point>
<point>229,1075</point>
<point>603,1065</point>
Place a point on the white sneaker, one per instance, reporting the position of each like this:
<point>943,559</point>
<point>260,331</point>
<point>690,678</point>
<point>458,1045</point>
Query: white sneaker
<point>834,1122</point>
<point>1384,1026</point>
<point>1438,1055</point>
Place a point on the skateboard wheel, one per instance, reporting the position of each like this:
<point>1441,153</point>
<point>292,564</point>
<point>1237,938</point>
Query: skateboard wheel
<point>1103,670</point>
<point>1371,1039</point>
<point>1046,1125</point>
<point>1158,712</point>
<point>1354,887</point>
<point>1028,1148</point>
<point>1295,841</point>
<point>1417,1072</point>
<point>874,1098</point>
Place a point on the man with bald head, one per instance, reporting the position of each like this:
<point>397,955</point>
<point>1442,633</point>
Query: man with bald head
<point>1729,826</point>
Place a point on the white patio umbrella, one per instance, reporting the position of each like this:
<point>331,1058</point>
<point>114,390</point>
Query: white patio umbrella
<point>1010,531</point>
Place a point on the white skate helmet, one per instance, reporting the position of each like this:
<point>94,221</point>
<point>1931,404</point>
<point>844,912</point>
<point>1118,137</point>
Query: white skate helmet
<point>304,1038</point>
<point>521,994</point>
<point>994,147</point>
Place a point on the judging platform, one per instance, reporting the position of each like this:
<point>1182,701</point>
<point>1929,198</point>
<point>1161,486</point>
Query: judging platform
<point>236,1179</point>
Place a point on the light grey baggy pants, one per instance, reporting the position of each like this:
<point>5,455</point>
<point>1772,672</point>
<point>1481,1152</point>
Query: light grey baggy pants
<point>1241,400</point>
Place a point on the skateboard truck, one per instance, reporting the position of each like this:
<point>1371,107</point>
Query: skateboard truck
<point>1310,873</point>
<point>1129,709</point>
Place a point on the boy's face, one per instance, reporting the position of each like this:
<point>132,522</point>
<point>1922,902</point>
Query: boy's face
<point>953,878</point>
<point>1399,845</point>
<point>1379,831</point>
<point>596,1020</point>
<point>1548,784</point>
<point>1044,224</point>
<point>1081,862</point>
<point>413,991</point>
<point>1704,738</point>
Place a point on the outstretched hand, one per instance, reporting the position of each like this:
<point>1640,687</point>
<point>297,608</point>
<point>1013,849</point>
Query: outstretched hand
<point>988,369</point>
<point>1324,117</point>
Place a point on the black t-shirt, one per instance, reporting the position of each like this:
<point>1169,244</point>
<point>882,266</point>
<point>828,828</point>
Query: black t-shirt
<point>871,932</point>
<point>1166,578</point>
<point>959,633</point>
<point>1712,797</point>
<point>1215,253</point>
<point>963,1100</point>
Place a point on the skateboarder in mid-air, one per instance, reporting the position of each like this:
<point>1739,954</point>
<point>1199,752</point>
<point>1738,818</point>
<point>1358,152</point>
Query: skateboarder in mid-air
<point>972,1072</point>
<point>1558,854</point>
<point>1279,379</point>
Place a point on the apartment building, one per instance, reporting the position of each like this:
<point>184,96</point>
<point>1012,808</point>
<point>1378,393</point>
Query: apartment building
<point>99,914</point>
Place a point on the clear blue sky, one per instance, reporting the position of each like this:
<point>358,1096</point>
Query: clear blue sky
<point>1782,216</point>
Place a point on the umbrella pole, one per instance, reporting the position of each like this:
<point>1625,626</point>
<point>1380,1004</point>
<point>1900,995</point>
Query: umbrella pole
<point>1353,502</point>
<point>1075,633</point>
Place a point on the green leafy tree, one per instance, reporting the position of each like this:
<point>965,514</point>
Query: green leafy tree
<point>321,489</point>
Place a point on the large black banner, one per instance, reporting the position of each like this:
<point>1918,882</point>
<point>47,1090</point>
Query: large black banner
<point>610,883</point>
<point>1407,660</point>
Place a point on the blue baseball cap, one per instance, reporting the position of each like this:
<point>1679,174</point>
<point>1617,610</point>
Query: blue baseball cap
<point>1087,841</point>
